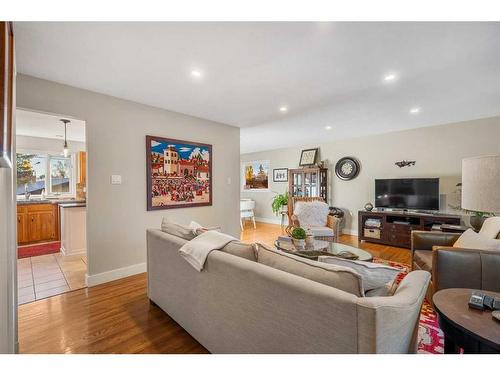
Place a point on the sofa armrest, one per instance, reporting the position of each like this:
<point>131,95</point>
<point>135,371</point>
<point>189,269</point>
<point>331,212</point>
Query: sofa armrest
<point>454,267</point>
<point>425,240</point>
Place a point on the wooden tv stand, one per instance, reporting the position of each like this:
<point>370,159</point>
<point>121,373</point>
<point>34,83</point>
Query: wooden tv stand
<point>396,226</point>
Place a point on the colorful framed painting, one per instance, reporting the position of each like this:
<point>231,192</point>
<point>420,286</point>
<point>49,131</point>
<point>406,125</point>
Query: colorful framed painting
<point>179,173</point>
<point>280,175</point>
<point>7,99</point>
<point>255,175</point>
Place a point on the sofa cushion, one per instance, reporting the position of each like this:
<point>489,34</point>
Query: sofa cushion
<point>423,259</point>
<point>321,231</point>
<point>176,229</point>
<point>311,214</point>
<point>374,275</point>
<point>241,250</point>
<point>491,227</point>
<point>472,240</point>
<point>339,277</point>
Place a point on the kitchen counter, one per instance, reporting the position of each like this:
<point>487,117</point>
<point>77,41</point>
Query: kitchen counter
<point>73,228</point>
<point>23,202</point>
<point>73,204</point>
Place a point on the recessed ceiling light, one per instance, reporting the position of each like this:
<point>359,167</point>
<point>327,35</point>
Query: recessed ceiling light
<point>196,73</point>
<point>390,77</point>
<point>328,127</point>
<point>415,110</point>
<point>283,109</point>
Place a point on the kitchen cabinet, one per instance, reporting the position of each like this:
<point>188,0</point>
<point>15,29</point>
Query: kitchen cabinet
<point>37,223</point>
<point>82,167</point>
<point>22,227</point>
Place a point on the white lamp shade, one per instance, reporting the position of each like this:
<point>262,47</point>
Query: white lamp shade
<point>481,184</point>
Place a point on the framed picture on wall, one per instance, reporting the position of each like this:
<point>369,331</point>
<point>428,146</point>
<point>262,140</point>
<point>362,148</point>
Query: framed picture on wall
<point>7,101</point>
<point>280,175</point>
<point>308,157</point>
<point>179,173</point>
<point>255,175</point>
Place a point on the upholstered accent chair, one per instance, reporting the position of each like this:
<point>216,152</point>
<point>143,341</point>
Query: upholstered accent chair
<point>453,267</point>
<point>311,213</point>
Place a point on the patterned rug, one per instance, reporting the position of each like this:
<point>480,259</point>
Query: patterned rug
<point>40,249</point>
<point>430,336</point>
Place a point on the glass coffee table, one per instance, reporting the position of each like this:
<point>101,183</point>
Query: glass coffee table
<point>323,248</point>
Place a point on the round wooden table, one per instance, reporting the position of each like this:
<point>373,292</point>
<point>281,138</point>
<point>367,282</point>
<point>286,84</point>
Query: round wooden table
<point>474,331</point>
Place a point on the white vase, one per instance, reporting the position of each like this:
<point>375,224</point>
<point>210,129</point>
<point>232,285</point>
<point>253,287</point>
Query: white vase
<point>300,244</point>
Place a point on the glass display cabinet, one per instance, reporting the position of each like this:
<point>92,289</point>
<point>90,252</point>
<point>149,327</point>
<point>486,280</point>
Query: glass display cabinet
<point>308,182</point>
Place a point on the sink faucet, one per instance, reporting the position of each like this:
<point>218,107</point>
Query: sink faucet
<point>27,194</point>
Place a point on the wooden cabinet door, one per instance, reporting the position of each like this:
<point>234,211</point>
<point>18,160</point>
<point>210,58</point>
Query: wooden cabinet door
<point>47,225</point>
<point>33,227</point>
<point>22,228</point>
<point>82,166</point>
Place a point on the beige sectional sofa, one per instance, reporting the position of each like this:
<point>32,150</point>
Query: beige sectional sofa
<point>238,305</point>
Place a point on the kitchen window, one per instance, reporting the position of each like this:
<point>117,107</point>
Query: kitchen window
<point>38,173</point>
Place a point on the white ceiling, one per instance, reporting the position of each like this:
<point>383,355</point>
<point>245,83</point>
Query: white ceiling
<point>36,124</point>
<point>327,74</point>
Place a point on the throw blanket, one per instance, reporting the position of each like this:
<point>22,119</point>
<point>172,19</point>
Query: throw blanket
<point>196,251</point>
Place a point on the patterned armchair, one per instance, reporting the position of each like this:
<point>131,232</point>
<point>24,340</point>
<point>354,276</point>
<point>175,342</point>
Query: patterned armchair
<point>311,213</point>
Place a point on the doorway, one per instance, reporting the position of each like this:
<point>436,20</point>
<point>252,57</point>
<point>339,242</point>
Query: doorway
<point>51,204</point>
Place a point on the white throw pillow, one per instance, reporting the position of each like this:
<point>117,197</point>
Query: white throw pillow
<point>374,275</point>
<point>472,240</point>
<point>179,230</point>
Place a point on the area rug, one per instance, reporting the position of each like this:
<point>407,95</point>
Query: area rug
<point>430,336</point>
<point>39,249</point>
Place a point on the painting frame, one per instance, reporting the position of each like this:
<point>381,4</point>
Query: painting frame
<point>266,166</point>
<point>277,178</point>
<point>305,157</point>
<point>7,94</point>
<point>150,175</point>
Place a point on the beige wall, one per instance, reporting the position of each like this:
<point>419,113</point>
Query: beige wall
<point>438,151</point>
<point>115,138</point>
<point>39,144</point>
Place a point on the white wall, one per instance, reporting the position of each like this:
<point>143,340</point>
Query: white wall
<point>438,151</point>
<point>115,138</point>
<point>39,144</point>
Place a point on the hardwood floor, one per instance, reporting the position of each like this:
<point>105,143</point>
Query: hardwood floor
<point>267,233</point>
<point>117,317</point>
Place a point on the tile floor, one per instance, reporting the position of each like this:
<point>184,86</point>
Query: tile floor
<point>47,275</point>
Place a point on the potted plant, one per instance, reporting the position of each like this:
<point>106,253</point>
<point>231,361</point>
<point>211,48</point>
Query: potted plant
<point>280,201</point>
<point>299,237</point>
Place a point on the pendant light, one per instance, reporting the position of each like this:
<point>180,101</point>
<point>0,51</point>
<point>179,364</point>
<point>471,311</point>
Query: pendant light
<point>65,149</point>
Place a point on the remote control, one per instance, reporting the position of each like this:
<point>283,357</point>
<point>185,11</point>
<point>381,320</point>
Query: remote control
<point>476,300</point>
<point>488,301</point>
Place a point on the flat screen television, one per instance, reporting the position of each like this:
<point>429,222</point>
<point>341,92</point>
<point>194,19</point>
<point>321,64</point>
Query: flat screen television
<point>407,193</point>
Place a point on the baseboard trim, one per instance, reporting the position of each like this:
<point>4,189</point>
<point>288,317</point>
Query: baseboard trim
<point>270,220</point>
<point>119,273</point>
<point>352,232</point>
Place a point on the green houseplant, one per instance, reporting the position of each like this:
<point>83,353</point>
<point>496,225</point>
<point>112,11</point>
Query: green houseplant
<point>279,201</point>
<point>298,237</point>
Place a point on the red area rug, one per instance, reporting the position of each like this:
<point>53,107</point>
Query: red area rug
<point>430,336</point>
<point>39,249</point>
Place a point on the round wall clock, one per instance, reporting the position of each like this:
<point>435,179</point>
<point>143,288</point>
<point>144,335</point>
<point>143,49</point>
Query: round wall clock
<point>347,168</point>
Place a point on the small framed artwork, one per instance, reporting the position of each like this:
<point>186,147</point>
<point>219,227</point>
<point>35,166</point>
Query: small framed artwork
<point>179,173</point>
<point>308,157</point>
<point>255,175</point>
<point>280,175</point>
